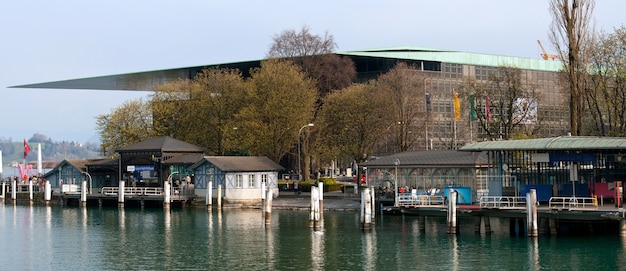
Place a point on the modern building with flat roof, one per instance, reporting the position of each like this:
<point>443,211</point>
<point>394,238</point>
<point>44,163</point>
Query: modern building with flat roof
<point>445,71</point>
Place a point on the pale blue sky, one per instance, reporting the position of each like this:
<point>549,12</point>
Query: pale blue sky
<point>45,41</point>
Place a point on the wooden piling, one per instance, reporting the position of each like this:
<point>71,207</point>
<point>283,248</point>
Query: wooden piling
<point>209,195</point>
<point>13,190</point>
<point>219,196</point>
<point>531,213</point>
<point>321,205</point>
<point>451,223</point>
<point>421,222</point>
<point>83,194</point>
<point>120,195</point>
<point>168,194</point>
<point>30,191</point>
<point>366,206</point>
<point>268,206</point>
<point>47,192</point>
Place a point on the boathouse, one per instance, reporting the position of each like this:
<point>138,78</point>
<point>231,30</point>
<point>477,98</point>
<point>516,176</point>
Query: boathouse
<point>427,172</point>
<point>240,177</point>
<point>568,166</point>
<point>67,176</point>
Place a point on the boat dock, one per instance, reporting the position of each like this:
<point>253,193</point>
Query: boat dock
<point>580,213</point>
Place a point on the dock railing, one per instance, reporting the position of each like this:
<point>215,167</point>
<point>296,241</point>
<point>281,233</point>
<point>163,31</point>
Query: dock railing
<point>140,191</point>
<point>502,202</point>
<point>413,200</point>
<point>573,203</point>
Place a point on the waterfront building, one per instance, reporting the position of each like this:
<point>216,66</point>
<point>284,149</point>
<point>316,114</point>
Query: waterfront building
<point>444,70</point>
<point>241,177</point>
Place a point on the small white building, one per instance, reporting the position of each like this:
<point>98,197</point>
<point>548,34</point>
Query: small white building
<point>239,176</point>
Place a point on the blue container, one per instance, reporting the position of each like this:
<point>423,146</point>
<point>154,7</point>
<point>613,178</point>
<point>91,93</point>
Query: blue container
<point>464,195</point>
<point>544,191</point>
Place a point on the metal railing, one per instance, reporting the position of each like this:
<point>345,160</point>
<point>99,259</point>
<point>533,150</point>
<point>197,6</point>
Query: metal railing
<point>502,202</point>
<point>139,191</point>
<point>410,200</point>
<point>573,203</point>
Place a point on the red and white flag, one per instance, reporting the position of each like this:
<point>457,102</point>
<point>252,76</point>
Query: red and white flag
<point>488,109</point>
<point>26,148</point>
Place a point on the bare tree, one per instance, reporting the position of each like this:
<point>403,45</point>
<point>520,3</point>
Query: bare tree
<point>404,87</point>
<point>314,55</point>
<point>570,34</point>
<point>506,105</point>
<point>607,94</point>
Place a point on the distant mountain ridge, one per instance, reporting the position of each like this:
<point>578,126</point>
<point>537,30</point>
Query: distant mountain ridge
<point>13,151</point>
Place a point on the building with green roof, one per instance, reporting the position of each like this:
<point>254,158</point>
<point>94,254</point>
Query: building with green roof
<point>445,71</point>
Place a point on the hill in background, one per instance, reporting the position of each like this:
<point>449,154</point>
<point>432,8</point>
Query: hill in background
<point>13,151</point>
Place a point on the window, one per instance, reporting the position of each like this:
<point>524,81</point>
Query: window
<point>264,178</point>
<point>251,180</point>
<point>238,181</point>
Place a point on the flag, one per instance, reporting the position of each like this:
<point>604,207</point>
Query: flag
<point>428,107</point>
<point>457,107</point>
<point>472,115</point>
<point>488,109</point>
<point>26,148</point>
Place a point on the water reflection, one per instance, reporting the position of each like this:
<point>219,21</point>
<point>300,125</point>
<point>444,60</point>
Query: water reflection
<point>317,250</point>
<point>370,250</point>
<point>533,253</point>
<point>65,238</point>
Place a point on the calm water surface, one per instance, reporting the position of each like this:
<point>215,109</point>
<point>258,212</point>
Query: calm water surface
<point>75,238</point>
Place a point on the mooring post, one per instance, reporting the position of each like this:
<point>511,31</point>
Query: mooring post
<point>120,195</point>
<point>4,191</point>
<point>452,211</point>
<point>30,191</point>
<point>219,196</point>
<point>209,195</point>
<point>47,192</point>
<point>13,188</point>
<point>321,205</point>
<point>263,195</point>
<point>168,194</point>
<point>312,207</point>
<point>366,203</point>
<point>268,206</point>
<point>373,207</point>
<point>531,213</point>
<point>83,193</point>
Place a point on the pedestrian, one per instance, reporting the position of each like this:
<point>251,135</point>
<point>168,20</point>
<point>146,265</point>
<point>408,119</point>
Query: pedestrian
<point>295,188</point>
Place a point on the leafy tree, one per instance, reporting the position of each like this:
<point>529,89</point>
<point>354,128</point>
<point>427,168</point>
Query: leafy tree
<point>129,123</point>
<point>571,35</point>
<point>282,100</point>
<point>201,111</point>
<point>352,120</point>
<point>512,107</point>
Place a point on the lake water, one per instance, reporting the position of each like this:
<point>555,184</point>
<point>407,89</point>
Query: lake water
<point>100,238</point>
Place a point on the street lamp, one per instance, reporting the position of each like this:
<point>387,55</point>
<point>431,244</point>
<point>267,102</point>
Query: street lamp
<point>300,172</point>
<point>396,163</point>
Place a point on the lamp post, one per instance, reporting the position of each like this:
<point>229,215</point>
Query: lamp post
<point>396,163</point>
<point>299,131</point>
<point>90,182</point>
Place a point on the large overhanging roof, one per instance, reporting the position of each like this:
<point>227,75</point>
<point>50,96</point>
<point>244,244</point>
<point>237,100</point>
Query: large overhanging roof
<point>562,143</point>
<point>148,80</point>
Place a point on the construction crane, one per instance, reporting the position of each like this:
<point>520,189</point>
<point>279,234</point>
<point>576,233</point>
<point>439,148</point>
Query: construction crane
<point>545,54</point>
